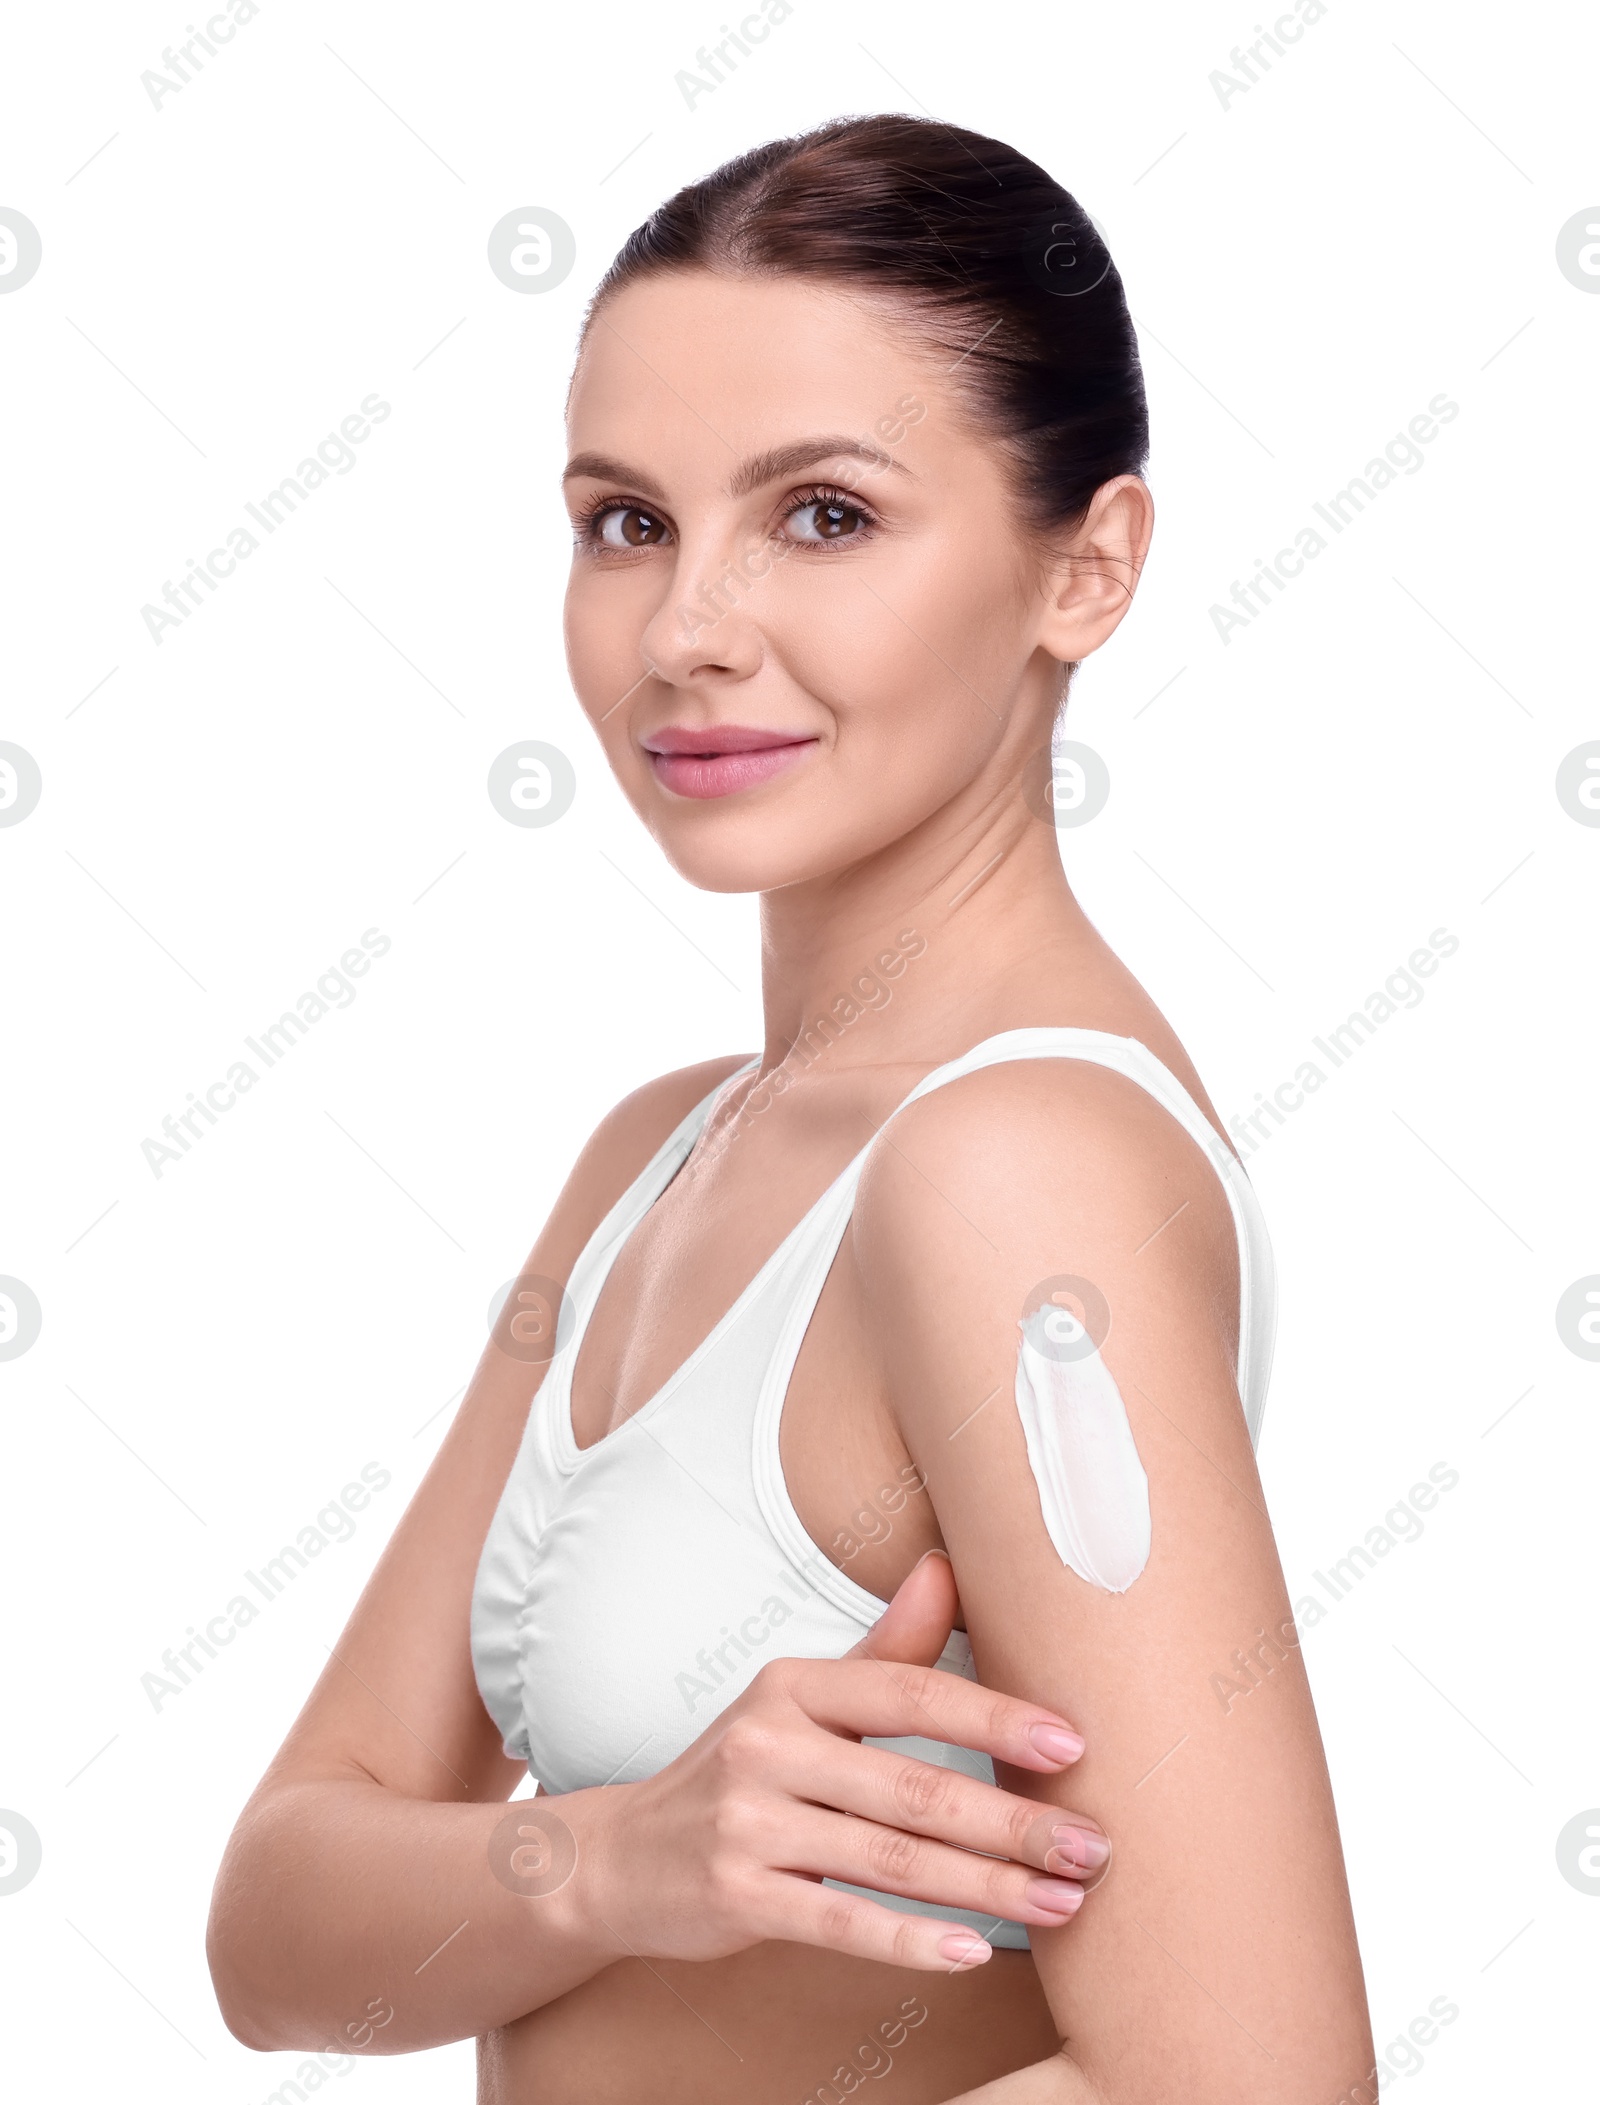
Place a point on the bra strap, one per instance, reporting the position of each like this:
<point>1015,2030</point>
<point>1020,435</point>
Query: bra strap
<point>1132,1058</point>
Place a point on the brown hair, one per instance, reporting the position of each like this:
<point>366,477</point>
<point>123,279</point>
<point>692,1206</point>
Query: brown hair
<point>993,262</point>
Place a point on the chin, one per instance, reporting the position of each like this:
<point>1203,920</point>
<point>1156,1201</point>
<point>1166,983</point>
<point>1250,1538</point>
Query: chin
<point>742,858</point>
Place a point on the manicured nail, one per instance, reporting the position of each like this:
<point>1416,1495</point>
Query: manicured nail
<point>1076,1849</point>
<point>1056,1742</point>
<point>961,1948</point>
<point>1055,1895</point>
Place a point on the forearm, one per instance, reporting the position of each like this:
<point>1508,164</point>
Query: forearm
<point>351,1919</point>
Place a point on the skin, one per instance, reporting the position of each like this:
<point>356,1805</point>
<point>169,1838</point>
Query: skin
<point>691,1955</point>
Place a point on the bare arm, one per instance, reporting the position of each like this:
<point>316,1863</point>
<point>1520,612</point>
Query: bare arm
<point>378,1895</point>
<point>366,1845</point>
<point>1218,1955</point>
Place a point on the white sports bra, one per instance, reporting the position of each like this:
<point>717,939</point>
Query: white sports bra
<point>628,1591</point>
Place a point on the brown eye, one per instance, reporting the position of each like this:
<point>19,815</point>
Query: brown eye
<point>630,526</point>
<point>825,519</point>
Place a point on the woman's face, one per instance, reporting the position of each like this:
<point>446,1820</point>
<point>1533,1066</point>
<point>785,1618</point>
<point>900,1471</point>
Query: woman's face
<point>801,615</point>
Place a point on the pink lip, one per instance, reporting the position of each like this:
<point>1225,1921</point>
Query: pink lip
<point>720,760</point>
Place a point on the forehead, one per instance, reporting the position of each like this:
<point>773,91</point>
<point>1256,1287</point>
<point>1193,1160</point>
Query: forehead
<point>705,367</point>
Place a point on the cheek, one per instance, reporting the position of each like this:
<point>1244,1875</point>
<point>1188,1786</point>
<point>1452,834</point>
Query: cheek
<point>918,655</point>
<point>603,621</point>
<point>908,740</point>
<point>603,628</point>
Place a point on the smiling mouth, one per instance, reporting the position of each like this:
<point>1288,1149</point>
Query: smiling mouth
<point>721,759</point>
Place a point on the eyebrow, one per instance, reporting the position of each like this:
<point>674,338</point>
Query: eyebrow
<point>805,453</point>
<point>750,474</point>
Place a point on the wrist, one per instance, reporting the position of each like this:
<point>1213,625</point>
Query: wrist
<point>554,1853</point>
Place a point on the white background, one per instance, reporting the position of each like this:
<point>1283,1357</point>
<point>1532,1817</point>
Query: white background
<point>1372,223</point>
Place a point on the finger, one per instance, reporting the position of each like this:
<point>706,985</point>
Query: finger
<point>880,1699</point>
<point>917,1623</point>
<point>919,1798</point>
<point>796,1911</point>
<point>862,1853</point>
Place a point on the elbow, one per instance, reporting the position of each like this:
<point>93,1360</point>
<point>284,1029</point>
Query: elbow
<point>255,2037</point>
<point>258,2019</point>
<point>272,1977</point>
<point>242,2021</point>
<point>242,2006</point>
<point>247,1973</point>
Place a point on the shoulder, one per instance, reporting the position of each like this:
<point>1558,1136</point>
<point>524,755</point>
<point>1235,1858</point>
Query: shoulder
<point>636,1129</point>
<point>633,1129</point>
<point>974,1198</point>
<point>629,1135</point>
<point>1050,1143</point>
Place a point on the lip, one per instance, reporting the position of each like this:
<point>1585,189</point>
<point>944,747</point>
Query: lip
<point>719,760</point>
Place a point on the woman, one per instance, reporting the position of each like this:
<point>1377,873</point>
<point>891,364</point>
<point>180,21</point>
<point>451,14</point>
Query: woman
<point>853,1522</point>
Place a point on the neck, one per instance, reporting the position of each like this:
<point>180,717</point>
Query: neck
<point>916,951</point>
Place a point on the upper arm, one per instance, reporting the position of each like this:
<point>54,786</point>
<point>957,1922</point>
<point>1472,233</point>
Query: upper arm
<point>398,1700</point>
<point>1219,1948</point>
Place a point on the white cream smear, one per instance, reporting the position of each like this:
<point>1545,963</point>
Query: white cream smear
<point>1093,1492</point>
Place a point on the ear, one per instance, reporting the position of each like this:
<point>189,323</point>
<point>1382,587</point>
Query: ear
<point>1093,573</point>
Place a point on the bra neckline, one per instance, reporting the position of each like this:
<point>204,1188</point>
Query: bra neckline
<point>567,1454</point>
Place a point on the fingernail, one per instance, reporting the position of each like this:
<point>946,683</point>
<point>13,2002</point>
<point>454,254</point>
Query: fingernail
<point>961,1948</point>
<point>1055,1895</point>
<point>1056,1742</point>
<point>1076,1849</point>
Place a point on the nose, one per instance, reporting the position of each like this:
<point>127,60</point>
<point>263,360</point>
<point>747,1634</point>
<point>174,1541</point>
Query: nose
<point>706,624</point>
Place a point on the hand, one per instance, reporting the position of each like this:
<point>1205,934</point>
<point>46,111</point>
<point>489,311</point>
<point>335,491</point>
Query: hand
<point>727,1846</point>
